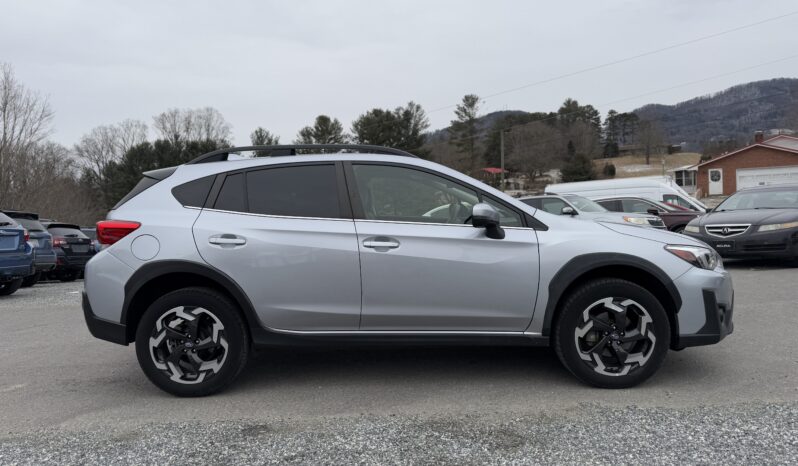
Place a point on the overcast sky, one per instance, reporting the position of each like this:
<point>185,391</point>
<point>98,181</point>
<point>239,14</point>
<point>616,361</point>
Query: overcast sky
<point>279,64</point>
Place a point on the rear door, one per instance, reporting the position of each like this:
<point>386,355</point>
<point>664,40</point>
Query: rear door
<point>285,235</point>
<point>425,267</point>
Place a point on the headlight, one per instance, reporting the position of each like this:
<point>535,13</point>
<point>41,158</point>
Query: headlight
<point>778,226</point>
<point>692,229</point>
<point>703,258</point>
<point>636,220</point>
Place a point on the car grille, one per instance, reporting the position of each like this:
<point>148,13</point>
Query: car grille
<point>764,247</point>
<point>724,231</point>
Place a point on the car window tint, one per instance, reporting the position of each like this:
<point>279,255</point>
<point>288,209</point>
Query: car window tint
<point>507,217</point>
<point>677,200</point>
<point>552,205</point>
<point>194,192</point>
<point>613,205</point>
<point>30,224</point>
<point>231,196</point>
<point>66,232</point>
<point>533,202</point>
<point>636,206</point>
<point>299,191</point>
<point>403,194</point>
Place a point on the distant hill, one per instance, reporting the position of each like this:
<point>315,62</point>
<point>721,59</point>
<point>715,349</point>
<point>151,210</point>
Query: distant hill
<point>732,114</point>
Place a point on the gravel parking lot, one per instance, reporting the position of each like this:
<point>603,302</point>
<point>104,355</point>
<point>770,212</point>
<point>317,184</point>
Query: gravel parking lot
<point>68,398</point>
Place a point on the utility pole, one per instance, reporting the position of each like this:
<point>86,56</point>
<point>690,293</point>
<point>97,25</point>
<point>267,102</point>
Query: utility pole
<point>501,139</point>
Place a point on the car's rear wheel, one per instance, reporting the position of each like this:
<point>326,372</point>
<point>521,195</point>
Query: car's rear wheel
<point>612,333</point>
<point>192,342</point>
<point>31,280</point>
<point>7,288</point>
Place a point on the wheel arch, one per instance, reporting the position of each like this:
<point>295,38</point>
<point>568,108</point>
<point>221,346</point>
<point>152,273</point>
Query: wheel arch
<point>155,279</point>
<point>584,268</point>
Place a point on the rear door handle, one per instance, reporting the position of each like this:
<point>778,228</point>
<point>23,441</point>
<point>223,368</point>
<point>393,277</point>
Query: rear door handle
<point>380,243</point>
<point>227,240</point>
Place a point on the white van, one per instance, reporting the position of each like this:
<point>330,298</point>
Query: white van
<point>658,188</point>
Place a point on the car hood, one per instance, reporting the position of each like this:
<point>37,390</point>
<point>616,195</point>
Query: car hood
<point>652,234</point>
<point>752,216</point>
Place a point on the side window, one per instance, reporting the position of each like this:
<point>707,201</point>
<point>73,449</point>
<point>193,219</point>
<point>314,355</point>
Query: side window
<point>636,206</point>
<point>194,192</point>
<point>231,196</point>
<point>612,205</point>
<point>553,205</point>
<point>533,202</point>
<point>508,218</point>
<point>677,200</point>
<point>298,191</point>
<point>408,195</point>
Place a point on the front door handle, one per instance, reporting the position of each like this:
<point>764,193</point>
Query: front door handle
<point>380,243</point>
<point>227,240</point>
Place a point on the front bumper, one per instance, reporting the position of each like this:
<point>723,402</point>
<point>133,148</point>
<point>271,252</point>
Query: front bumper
<point>101,328</point>
<point>769,244</point>
<point>707,310</point>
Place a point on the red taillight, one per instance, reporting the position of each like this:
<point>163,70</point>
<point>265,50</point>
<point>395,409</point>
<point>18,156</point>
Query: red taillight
<point>58,241</point>
<point>111,231</point>
<point>27,235</point>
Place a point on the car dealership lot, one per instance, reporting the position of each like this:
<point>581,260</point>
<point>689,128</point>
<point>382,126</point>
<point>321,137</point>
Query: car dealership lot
<point>67,397</point>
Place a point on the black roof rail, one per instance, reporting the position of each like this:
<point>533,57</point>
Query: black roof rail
<point>290,149</point>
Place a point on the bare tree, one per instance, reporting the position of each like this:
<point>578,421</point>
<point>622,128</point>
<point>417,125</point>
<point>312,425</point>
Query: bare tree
<point>25,119</point>
<point>533,148</point>
<point>108,143</point>
<point>650,137</point>
<point>187,125</point>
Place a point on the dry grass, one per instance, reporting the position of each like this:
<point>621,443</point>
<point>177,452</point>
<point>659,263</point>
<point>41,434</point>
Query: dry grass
<point>630,166</point>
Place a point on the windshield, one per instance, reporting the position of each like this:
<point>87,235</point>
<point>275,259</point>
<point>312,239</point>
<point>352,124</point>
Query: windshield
<point>31,225</point>
<point>771,199</point>
<point>585,205</point>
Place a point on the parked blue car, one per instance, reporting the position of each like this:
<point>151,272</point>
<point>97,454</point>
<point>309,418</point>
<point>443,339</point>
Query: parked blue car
<point>44,257</point>
<point>16,255</point>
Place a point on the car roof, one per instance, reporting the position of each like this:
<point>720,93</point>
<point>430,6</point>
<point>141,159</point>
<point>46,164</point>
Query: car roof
<point>21,214</point>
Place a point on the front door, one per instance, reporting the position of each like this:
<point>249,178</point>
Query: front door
<point>285,235</point>
<point>425,268</point>
<point>715,181</point>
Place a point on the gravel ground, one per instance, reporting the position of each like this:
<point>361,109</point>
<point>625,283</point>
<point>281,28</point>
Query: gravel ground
<point>68,398</point>
<point>744,434</point>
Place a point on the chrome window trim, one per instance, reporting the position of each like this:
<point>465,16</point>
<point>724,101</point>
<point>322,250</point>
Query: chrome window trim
<point>401,222</point>
<point>287,217</point>
<point>746,226</point>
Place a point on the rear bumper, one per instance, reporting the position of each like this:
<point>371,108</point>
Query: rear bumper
<point>101,328</point>
<point>12,270</point>
<point>71,262</point>
<point>44,261</point>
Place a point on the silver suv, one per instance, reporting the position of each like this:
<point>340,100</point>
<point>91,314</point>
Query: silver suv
<point>344,243</point>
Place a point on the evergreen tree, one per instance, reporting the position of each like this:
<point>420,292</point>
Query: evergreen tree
<point>577,167</point>
<point>263,137</point>
<point>401,128</point>
<point>325,130</point>
<point>463,131</point>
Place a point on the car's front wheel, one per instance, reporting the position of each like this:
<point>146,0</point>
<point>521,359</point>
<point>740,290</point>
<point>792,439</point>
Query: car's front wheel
<point>192,342</point>
<point>612,333</point>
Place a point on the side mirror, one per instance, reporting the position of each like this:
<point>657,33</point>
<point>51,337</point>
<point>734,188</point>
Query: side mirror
<point>485,216</point>
<point>568,210</point>
<point>653,212</point>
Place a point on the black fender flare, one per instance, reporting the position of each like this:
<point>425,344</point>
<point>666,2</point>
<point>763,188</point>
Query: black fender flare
<point>580,265</point>
<point>152,270</point>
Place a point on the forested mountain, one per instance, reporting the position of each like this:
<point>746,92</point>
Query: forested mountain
<point>733,114</point>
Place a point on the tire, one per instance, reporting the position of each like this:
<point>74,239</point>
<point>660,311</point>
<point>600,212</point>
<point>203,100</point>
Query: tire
<point>31,280</point>
<point>11,287</point>
<point>70,276</point>
<point>600,350</point>
<point>168,360</point>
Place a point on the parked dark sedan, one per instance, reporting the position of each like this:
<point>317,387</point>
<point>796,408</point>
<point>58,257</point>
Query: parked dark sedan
<point>40,240</point>
<point>675,218</point>
<point>16,255</point>
<point>753,222</point>
<point>73,249</point>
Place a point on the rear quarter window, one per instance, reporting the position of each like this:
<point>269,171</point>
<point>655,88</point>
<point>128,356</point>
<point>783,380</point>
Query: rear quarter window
<point>194,193</point>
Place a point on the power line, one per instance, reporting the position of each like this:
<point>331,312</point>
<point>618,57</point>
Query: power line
<point>629,58</point>
<point>489,131</point>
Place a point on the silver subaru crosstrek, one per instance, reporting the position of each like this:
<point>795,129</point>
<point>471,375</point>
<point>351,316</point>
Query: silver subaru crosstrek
<point>363,244</point>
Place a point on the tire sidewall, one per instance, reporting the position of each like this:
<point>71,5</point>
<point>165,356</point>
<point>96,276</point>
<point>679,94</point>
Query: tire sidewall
<point>10,287</point>
<point>235,335</point>
<point>569,319</point>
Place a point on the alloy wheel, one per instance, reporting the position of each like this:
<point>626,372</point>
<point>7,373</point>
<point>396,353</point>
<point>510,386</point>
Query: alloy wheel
<point>188,344</point>
<point>615,336</point>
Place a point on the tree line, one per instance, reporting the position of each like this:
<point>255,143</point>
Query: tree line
<point>82,183</point>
